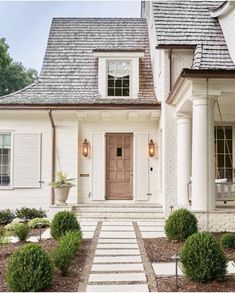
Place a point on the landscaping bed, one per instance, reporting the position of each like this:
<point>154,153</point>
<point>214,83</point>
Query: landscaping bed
<point>162,250</point>
<point>60,284</point>
<point>167,284</point>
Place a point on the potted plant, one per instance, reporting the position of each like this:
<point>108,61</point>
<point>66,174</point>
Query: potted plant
<point>62,186</point>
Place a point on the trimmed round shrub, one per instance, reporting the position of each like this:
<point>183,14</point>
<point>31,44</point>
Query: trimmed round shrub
<point>29,269</point>
<point>39,223</point>
<point>62,222</point>
<point>21,231</point>
<point>202,258</point>
<point>228,240</point>
<point>65,252</point>
<point>180,225</point>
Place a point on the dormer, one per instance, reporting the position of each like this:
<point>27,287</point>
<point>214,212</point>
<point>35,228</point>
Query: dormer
<point>118,73</point>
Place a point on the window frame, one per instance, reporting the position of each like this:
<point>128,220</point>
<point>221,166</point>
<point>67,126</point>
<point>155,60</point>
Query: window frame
<point>233,147</point>
<point>130,77</point>
<point>10,186</point>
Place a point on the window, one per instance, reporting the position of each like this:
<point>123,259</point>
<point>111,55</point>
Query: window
<point>224,152</point>
<point>118,78</point>
<point>5,159</point>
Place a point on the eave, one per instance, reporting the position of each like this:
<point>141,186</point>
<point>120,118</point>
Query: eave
<point>143,106</point>
<point>188,73</point>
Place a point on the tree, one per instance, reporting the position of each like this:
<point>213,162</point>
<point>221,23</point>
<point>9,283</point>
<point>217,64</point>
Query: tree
<point>13,75</point>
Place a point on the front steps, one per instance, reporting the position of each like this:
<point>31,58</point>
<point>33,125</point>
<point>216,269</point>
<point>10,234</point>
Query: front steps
<point>120,212</point>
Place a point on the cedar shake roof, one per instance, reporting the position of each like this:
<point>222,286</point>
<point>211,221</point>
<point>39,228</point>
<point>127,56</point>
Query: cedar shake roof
<point>190,23</point>
<point>70,71</point>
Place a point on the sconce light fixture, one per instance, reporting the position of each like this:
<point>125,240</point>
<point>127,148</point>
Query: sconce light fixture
<point>85,148</point>
<point>152,150</point>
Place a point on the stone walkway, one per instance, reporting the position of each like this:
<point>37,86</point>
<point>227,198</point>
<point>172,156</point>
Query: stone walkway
<point>117,265</point>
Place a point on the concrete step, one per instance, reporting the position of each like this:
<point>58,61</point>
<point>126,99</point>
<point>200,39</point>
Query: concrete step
<point>120,219</point>
<point>119,209</point>
<point>121,215</point>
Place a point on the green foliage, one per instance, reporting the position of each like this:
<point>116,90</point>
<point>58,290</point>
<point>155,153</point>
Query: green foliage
<point>13,75</point>
<point>29,269</point>
<point>21,231</point>
<point>29,214</point>
<point>6,216</point>
<point>228,240</point>
<point>62,181</point>
<point>203,258</point>
<point>65,252</point>
<point>180,225</point>
<point>2,232</point>
<point>11,226</point>
<point>62,222</point>
<point>39,223</point>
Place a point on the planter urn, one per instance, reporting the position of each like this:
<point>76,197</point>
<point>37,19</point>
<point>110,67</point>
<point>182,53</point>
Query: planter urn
<point>61,195</point>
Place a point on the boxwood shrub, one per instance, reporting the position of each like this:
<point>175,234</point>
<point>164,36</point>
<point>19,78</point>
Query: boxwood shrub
<point>29,214</point>
<point>65,252</point>
<point>21,231</point>
<point>29,269</point>
<point>202,258</point>
<point>180,225</point>
<point>228,240</point>
<point>6,216</point>
<point>63,222</point>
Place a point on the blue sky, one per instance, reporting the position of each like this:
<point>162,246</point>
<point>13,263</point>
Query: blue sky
<point>26,24</point>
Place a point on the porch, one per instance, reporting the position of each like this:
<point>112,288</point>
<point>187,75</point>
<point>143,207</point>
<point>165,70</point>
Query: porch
<point>205,111</point>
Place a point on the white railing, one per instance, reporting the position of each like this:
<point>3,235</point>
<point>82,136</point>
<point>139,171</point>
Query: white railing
<point>224,191</point>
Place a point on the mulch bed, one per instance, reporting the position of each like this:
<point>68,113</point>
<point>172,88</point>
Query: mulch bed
<point>60,284</point>
<point>167,284</point>
<point>161,249</point>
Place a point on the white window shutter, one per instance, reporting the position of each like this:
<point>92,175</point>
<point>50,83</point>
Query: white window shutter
<point>98,166</point>
<point>141,166</point>
<point>26,160</point>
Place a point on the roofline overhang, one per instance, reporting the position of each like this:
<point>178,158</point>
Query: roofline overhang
<point>188,73</point>
<point>65,107</point>
<point>223,9</point>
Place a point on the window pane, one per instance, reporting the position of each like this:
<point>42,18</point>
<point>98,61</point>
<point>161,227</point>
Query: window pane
<point>220,133</point>
<point>118,78</point>
<point>6,140</point>
<point>220,146</point>
<point>228,161</point>
<point>118,92</point>
<point>228,132</point>
<point>111,92</point>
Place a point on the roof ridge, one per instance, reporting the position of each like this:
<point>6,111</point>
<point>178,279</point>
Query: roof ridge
<point>21,90</point>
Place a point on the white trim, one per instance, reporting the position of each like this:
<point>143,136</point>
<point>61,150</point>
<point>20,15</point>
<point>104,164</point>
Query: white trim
<point>118,54</point>
<point>9,187</point>
<point>130,61</point>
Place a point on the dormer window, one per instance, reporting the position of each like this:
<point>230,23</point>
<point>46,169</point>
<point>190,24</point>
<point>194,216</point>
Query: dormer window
<point>118,78</point>
<point>118,74</point>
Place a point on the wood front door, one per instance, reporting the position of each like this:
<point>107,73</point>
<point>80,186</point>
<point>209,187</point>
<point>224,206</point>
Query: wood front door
<point>119,166</point>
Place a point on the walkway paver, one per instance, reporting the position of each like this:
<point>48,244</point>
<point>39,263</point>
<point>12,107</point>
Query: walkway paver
<point>118,288</point>
<point>117,264</point>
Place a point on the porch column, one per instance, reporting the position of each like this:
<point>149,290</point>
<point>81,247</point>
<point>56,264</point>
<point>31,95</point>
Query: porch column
<point>203,153</point>
<point>184,153</point>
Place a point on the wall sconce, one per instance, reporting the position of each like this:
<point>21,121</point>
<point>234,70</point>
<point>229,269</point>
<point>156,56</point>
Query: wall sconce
<point>85,148</point>
<point>152,149</point>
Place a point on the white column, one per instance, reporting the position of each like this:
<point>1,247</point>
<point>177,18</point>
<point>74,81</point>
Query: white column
<point>203,157</point>
<point>184,152</point>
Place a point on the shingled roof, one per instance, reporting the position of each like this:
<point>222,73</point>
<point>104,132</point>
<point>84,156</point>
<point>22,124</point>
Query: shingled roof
<point>70,71</point>
<point>190,23</point>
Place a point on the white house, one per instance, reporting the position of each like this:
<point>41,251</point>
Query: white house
<point>142,92</point>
